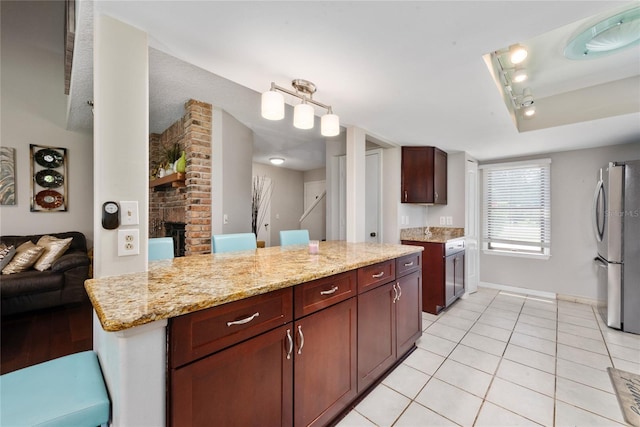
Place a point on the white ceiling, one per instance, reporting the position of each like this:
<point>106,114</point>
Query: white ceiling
<point>409,73</point>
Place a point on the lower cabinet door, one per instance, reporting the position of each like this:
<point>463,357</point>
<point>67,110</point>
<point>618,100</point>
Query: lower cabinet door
<point>249,384</point>
<point>408,311</point>
<point>376,333</point>
<point>325,363</point>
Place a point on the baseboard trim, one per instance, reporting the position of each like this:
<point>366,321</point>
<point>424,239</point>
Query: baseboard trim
<point>517,290</point>
<point>581,300</point>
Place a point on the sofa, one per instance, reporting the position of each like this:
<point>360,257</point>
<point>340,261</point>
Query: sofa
<point>62,283</point>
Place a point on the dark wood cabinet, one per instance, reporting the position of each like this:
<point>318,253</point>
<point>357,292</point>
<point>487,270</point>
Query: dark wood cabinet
<point>376,333</point>
<point>442,275</point>
<point>297,356</point>
<point>325,364</point>
<point>424,175</point>
<point>248,384</point>
<point>389,320</point>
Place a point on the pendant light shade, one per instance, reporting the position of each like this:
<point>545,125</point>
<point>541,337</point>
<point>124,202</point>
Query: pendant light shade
<point>330,125</point>
<point>272,105</point>
<point>303,117</point>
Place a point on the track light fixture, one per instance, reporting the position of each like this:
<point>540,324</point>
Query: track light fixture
<point>303,113</point>
<point>511,74</point>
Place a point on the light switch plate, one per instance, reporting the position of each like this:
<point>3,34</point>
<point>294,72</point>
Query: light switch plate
<point>129,213</point>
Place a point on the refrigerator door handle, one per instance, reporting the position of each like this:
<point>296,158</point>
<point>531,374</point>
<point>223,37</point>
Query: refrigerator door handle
<point>599,232</point>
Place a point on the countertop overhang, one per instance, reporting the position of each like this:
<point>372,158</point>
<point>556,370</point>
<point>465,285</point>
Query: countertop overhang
<point>184,285</point>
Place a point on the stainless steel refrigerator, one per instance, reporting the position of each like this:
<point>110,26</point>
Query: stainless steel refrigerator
<point>616,223</point>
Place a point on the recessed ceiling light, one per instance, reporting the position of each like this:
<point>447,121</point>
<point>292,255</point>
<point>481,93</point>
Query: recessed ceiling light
<point>611,35</point>
<point>276,160</point>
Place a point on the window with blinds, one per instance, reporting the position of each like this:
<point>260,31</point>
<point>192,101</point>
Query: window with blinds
<point>517,207</point>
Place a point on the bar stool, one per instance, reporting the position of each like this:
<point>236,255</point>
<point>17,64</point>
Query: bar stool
<point>294,237</point>
<point>160,248</point>
<point>233,242</point>
<point>67,391</point>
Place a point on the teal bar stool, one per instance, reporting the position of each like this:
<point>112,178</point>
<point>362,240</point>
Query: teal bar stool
<point>233,242</point>
<point>160,248</point>
<point>294,237</point>
<point>67,391</point>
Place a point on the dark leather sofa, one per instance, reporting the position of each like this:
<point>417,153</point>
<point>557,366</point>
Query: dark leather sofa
<point>62,284</point>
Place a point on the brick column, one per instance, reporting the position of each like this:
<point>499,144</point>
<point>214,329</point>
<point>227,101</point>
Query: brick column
<point>197,126</point>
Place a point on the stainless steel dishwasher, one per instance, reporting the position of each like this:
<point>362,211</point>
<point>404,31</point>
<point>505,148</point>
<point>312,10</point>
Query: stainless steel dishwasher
<point>454,270</point>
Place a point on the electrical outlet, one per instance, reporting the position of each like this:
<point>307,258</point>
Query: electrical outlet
<point>443,221</point>
<point>128,242</point>
<point>449,220</point>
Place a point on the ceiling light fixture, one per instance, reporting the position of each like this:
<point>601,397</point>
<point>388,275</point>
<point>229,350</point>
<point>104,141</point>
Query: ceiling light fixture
<point>608,36</point>
<point>517,54</point>
<point>303,113</point>
<point>519,75</point>
<point>276,160</point>
<point>529,111</point>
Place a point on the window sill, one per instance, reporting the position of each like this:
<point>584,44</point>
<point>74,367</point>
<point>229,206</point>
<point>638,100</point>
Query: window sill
<point>516,254</point>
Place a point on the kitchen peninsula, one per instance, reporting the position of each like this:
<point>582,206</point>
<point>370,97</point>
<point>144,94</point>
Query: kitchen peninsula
<point>207,322</point>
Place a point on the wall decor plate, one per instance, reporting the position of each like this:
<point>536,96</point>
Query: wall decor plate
<point>49,199</point>
<point>49,178</point>
<point>49,158</point>
<point>48,171</point>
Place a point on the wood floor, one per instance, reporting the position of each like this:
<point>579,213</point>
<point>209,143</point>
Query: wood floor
<point>31,338</point>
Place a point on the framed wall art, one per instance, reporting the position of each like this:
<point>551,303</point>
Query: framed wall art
<point>7,176</point>
<point>49,179</point>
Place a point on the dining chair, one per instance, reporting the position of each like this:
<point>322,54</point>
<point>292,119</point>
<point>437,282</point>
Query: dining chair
<point>294,237</point>
<point>160,248</point>
<point>233,242</point>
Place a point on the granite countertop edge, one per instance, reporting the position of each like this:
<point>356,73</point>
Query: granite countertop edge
<point>179,286</point>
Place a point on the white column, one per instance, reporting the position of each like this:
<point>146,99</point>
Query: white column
<point>356,190</point>
<point>133,361</point>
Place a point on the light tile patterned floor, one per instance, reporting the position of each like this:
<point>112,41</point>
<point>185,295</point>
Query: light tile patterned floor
<point>502,359</point>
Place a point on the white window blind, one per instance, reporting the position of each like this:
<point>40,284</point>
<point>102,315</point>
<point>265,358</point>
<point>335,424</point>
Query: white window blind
<point>517,207</point>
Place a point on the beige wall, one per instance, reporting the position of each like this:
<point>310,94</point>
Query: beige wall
<point>33,112</point>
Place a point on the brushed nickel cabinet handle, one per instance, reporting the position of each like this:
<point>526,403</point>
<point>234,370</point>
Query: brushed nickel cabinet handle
<point>245,320</point>
<point>408,264</point>
<point>405,195</point>
<point>377,276</point>
<point>290,340</point>
<point>301,339</point>
<point>399,290</point>
<point>330,291</point>
<point>395,294</point>
<point>436,195</point>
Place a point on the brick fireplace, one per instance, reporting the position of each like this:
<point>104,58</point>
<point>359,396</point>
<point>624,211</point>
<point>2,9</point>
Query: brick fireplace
<point>184,206</point>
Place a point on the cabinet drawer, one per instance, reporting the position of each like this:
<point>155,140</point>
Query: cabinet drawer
<point>408,264</point>
<point>373,275</point>
<point>198,334</point>
<point>313,296</point>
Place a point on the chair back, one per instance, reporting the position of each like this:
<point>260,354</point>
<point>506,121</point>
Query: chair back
<point>233,242</point>
<point>294,237</point>
<point>160,248</point>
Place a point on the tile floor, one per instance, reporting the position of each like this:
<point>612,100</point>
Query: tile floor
<point>501,359</point>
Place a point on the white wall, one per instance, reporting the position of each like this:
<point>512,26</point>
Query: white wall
<point>287,200</point>
<point>570,271</point>
<point>454,208</point>
<point>316,221</point>
<point>231,151</point>
<point>33,111</point>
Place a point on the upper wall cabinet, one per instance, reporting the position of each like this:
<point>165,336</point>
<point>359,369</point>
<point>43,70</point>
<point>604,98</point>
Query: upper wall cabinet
<point>424,175</point>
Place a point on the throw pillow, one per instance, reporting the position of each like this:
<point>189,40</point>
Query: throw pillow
<point>26,255</point>
<point>54,248</point>
<point>6,254</point>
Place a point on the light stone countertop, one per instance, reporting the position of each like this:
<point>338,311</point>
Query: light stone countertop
<point>438,234</point>
<point>186,284</point>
